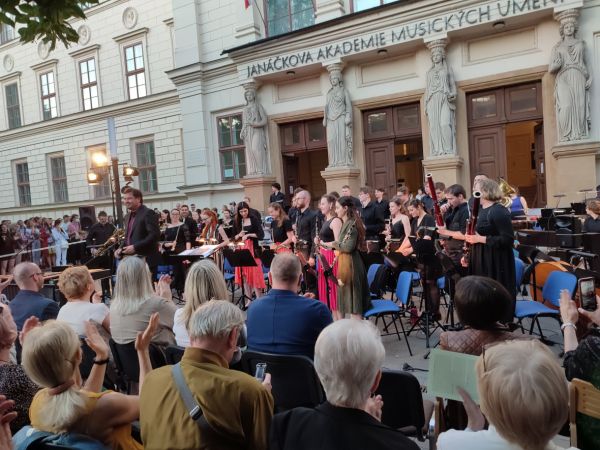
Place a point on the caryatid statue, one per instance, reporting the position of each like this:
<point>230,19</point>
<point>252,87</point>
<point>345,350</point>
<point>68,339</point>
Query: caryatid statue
<point>253,133</point>
<point>573,81</point>
<point>440,102</point>
<point>338,121</point>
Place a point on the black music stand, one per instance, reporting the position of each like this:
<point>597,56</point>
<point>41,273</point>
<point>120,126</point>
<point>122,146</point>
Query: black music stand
<point>240,258</point>
<point>425,254</point>
<point>267,257</point>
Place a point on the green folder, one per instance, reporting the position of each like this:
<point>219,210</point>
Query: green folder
<point>449,370</point>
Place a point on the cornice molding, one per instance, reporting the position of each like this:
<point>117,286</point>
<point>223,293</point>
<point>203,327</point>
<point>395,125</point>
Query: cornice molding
<point>131,35</point>
<point>10,76</point>
<point>84,117</point>
<point>85,50</point>
<point>44,65</point>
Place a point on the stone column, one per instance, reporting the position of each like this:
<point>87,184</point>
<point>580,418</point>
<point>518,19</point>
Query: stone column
<point>338,120</point>
<point>574,150</point>
<point>257,184</point>
<point>328,9</point>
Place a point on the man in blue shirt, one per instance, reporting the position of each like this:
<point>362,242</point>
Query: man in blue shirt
<point>29,302</point>
<point>282,321</point>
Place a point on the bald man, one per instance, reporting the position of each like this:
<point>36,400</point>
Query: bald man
<point>282,321</point>
<point>29,301</point>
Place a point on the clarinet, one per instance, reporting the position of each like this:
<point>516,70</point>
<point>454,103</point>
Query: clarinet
<point>439,220</point>
<point>471,225</point>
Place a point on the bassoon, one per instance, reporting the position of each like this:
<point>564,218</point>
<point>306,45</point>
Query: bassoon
<point>472,224</point>
<point>439,220</point>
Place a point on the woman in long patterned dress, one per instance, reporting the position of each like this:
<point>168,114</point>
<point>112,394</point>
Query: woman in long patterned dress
<point>329,232</point>
<point>353,291</point>
<point>249,229</point>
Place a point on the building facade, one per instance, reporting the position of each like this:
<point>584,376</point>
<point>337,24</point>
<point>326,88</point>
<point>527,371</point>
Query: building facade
<point>311,93</point>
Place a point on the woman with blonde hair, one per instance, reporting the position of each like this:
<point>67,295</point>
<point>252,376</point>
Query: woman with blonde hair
<point>523,394</point>
<point>51,358</point>
<point>203,283</point>
<point>77,285</point>
<point>134,301</point>
<point>491,252</point>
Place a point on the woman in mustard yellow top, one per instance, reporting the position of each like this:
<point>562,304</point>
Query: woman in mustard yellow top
<point>51,357</point>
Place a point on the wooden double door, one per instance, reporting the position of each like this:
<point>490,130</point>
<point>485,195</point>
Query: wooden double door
<point>492,115</point>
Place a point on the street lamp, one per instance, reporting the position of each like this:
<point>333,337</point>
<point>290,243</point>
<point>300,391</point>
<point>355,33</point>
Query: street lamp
<point>94,176</point>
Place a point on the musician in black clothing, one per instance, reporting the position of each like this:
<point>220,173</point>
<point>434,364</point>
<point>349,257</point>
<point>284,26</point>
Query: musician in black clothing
<point>276,195</point>
<point>371,215</point>
<point>456,214</point>
<point>252,211</point>
<point>592,222</point>
<point>423,227</point>
<point>382,203</point>
<point>281,229</point>
<point>305,229</point>
<point>491,253</point>
<point>190,223</point>
<point>98,234</point>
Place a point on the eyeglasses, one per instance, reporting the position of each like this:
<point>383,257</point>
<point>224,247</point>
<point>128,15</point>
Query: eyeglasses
<point>36,273</point>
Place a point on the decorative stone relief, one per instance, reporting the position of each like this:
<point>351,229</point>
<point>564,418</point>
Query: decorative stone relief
<point>8,62</point>
<point>440,102</point>
<point>85,34</point>
<point>573,80</point>
<point>338,120</point>
<point>43,49</point>
<point>254,134</point>
<point>130,17</point>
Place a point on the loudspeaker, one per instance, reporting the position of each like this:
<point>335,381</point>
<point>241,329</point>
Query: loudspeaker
<point>87,217</point>
<point>568,231</point>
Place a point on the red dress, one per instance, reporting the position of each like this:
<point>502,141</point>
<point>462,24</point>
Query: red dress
<point>253,276</point>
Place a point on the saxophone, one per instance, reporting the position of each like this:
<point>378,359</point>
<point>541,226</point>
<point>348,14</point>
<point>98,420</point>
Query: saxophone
<point>113,241</point>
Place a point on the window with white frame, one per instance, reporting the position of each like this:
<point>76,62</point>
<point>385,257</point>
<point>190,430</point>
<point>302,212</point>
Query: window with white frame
<point>7,33</point>
<point>231,147</point>
<point>58,175</point>
<point>13,107</point>
<point>89,83</point>
<point>360,5</point>
<point>48,90</point>
<point>289,15</point>
<point>23,186</point>
<point>135,71</point>
<point>146,165</point>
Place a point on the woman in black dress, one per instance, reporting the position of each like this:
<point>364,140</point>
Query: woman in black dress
<point>177,239</point>
<point>398,230</point>
<point>491,252</point>
<point>281,229</point>
<point>423,228</point>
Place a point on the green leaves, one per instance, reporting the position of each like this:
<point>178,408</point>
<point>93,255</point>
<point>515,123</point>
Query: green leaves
<point>45,20</point>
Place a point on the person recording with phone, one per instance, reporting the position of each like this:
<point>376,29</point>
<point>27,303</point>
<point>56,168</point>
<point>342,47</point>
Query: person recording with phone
<point>582,358</point>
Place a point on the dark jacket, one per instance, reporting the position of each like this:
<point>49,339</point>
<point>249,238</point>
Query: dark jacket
<point>384,207</point>
<point>372,218</point>
<point>283,322</point>
<point>145,234</point>
<point>30,303</point>
<point>329,427</point>
<point>277,198</point>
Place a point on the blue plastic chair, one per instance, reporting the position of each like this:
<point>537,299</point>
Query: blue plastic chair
<point>555,282</point>
<point>380,308</point>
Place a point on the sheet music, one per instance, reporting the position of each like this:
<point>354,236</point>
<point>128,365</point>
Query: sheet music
<point>205,251</point>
